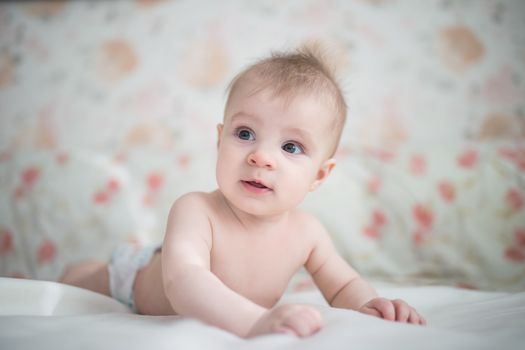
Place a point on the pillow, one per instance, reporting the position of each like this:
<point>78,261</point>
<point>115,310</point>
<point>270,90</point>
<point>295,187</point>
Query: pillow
<point>61,207</point>
<point>455,214</point>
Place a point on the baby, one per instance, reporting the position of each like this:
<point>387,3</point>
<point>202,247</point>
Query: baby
<point>228,255</point>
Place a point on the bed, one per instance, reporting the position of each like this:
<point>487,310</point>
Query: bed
<point>50,315</point>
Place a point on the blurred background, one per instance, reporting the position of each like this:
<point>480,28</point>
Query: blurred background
<point>108,112</point>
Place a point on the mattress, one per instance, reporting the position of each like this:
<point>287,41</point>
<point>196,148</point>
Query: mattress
<point>49,315</point>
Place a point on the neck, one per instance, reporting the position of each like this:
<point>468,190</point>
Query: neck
<point>251,222</point>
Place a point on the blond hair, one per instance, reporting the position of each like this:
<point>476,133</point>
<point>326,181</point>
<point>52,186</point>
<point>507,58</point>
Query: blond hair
<point>289,74</point>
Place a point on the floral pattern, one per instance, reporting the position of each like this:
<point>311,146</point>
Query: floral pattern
<point>108,113</point>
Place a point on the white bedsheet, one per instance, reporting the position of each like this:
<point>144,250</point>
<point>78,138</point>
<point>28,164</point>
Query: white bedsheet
<point>48,315</point>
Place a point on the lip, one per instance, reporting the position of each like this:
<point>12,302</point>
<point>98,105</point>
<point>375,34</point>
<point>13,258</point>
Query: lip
<point>249,185</point>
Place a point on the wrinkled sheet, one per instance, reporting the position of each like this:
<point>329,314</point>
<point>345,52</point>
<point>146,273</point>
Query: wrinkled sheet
<point>48,315</point>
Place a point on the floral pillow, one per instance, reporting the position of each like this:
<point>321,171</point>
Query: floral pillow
<point>455,214</point>
<point>60,207</point>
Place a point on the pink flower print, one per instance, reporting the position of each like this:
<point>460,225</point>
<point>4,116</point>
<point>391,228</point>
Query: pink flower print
<point>514,254</point>
<point>104,196</point>
<point>508,153</point>
<point>46,252</point>
<point>418,236</point>
<point>30,175</point>
<point>374,184</point>
<point>101,197</point>
<point>516,156</point>
<point>19,192</point>
<point>371,231</point>
<point>418,164</point>
<point>155,181</point>
<point>6,241</point>
<point>521,163</point>
<point>378,218</point>
<point>519,237</point>
<point>113,185</point>
<point>183,160</point>
<point>62,158</point>
<point>378,221</point>
<point>468,159</point>
<point>147,200</point>
<point>383,155</point>
<point>447,191</point>
<point>120,157</point>
<point>514,199</point>
<point>423,216</point>
<point>18,275</point>
<point>5,156</point>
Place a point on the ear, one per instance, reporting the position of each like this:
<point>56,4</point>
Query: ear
<point>219,133</point>
<point>323,173</point>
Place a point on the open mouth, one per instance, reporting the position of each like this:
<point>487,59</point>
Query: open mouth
<point>256,184</point>
<point>256,187</point>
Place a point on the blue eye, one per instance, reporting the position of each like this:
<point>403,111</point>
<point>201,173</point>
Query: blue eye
<point>245,134</point>
<point>292,147</point>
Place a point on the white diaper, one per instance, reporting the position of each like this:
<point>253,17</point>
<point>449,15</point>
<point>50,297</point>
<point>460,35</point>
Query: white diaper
<point>125,261</point>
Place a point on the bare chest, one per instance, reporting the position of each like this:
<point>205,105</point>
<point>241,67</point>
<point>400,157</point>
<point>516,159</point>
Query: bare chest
<point>257,268</point>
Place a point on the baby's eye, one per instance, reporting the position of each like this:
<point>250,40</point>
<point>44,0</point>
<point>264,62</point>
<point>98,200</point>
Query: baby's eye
<point>292,147</point>
<point>245,134</point>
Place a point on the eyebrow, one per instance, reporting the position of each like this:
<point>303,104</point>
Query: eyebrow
<point>243,115</point>
<point>303,134</point>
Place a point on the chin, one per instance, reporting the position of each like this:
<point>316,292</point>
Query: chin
<point>250,206</point>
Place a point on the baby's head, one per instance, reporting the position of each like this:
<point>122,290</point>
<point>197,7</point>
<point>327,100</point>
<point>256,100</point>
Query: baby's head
<point>288,75</point>
<point>282,124</point>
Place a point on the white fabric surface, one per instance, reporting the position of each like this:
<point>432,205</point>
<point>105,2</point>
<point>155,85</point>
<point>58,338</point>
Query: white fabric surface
<point>48,315</point>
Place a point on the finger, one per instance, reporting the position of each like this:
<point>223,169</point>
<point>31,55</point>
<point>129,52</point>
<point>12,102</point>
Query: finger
<point>303,328</point>
<point>403,311</point>
<point>287,325</point>
<point>414,317</point>
<point>386,308</point>
<point>422,321</point>
<point>370,311</point>
<point>286,330</point>
<point>299,324</point>
<point>313,318</point>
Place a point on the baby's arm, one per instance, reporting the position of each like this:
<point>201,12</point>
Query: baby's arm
<point>343,287</point>
<point>194,291</point>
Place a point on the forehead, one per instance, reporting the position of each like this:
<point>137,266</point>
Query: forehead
<point>304,109</point>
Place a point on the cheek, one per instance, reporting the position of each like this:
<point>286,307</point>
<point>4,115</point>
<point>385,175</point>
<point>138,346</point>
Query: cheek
<point>227,158</point>
<point>229,154</point>
<point>222,159</point>
<point>300,180</point>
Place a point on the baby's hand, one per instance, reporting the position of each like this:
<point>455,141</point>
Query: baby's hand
<point>299,320</point>
<point>393,310</point>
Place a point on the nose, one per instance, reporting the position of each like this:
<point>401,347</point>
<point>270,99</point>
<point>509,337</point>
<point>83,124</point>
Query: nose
<point>261,159</point>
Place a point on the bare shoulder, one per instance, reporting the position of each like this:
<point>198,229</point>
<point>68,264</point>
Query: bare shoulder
<point>191,201</point>
<point>310,227</point>
<point>320,246</point>
<point>190,215</point>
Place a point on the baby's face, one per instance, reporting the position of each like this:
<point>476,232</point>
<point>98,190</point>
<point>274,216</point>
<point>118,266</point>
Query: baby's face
<point>272,153</point>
